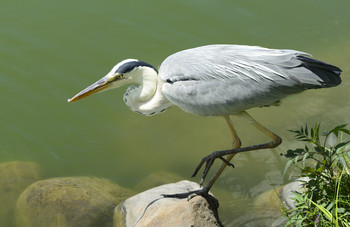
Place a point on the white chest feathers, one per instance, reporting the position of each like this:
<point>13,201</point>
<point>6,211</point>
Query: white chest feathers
<point>151,104</point>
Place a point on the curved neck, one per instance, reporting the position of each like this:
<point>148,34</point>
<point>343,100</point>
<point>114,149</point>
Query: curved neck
<point>147,79</point>
<point>147,97</point>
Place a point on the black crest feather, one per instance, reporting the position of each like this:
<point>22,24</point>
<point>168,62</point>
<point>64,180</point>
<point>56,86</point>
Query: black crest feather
<point>129,66</point>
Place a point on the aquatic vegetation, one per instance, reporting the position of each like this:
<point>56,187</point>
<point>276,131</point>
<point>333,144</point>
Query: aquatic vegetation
<point>325,160</point>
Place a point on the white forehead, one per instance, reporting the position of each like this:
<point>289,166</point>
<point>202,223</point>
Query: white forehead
<point>122,63</point>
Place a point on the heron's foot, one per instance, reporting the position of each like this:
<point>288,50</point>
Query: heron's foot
<point>191,194</point>
<point>209,161</point>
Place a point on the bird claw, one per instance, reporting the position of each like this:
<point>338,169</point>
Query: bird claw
<point>191,194</point>
<point>226,162</point>
<point>209,161</point>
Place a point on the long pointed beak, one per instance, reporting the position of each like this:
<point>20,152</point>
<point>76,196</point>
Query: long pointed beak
<point>100,85</point>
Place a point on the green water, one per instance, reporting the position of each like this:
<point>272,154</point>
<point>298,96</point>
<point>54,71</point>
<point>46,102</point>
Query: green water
<point>50,50</point>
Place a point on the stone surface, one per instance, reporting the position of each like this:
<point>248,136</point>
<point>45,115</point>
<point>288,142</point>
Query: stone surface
<point>287,191</point>
<point>149,208</point>
<point>70,201</point>
<point>15,176</point>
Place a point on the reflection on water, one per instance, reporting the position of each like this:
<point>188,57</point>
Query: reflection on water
<point>52,49</point>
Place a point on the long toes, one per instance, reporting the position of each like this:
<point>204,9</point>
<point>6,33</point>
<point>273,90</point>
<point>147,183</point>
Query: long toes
<point>179,195</point>
<point>209,160</point>
<point>191,194</point>
<point>208,165</point>
<point>199,167</point>
<point>226,162</point>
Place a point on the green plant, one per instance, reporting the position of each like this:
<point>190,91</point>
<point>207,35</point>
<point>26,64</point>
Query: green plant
<point>325,198</point>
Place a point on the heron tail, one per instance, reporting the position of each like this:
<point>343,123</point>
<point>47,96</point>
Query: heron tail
<point>329,74</point>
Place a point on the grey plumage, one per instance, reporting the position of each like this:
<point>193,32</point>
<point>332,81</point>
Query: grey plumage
<point>226,79</point>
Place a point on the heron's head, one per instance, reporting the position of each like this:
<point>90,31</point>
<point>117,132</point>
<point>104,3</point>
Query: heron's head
<point>125,72</point>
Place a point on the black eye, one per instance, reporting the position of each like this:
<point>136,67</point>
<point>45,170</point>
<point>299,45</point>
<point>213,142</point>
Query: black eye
<point>119,76</point>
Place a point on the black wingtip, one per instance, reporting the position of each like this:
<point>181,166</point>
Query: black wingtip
<point>329,74</point>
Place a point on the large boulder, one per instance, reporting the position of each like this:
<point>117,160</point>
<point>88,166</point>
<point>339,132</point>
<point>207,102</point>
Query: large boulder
<point>15,176</point>
<point>70,201</point>
<point>149,208</point>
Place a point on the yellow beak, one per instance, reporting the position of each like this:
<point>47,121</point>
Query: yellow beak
<point>98,86</point>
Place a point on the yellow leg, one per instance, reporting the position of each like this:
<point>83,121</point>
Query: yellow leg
<point>276,140</point>
<point>236,140</point>
<point>236,144</point>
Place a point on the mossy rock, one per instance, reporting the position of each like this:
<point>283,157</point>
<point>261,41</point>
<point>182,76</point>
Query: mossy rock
<point>269,202</point>
<point>70,201</point>
<point>15,176</point>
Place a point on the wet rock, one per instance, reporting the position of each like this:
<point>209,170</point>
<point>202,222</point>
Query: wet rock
<point>287,191</point>
<point>14,178</point>
<point>70,201</point>
<point>149,208</point>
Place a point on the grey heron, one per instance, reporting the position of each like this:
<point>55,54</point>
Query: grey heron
<point>218,80</point>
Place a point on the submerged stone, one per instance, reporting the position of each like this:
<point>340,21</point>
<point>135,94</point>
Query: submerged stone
<point>149,208</point>
<point>267,206</point>
<point>270,204</point>
<point>70,201</point>
<point>15,176</point>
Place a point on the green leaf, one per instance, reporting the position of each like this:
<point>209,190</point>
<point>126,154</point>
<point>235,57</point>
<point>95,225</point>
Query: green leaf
<point>317,131</point>
<point>296,159</point>
<point>308,170</point>
<point>328,214</point>
<point>287,166</point>
<point>306,131</point>
<point>330,206</point>
<point>320,169</point>
<point>339,145</point>
<point>341,210</point>
<point>306,155</point>
<point>339,128</point>
<point>293,153</point>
